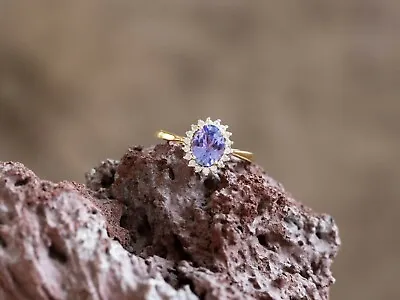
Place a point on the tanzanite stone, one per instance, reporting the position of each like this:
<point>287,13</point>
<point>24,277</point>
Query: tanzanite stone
<point>208,145</point>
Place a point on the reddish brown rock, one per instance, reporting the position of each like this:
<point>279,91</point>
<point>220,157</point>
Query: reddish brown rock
<point>239,236</point>
<point>183,236</point>
<point>54,245</point>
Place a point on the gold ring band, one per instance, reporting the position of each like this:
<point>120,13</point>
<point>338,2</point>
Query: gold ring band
<point>207,146</point>
<point>168,136</point>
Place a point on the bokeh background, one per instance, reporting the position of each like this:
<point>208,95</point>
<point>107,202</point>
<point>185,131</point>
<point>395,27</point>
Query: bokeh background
<point>312,87</point>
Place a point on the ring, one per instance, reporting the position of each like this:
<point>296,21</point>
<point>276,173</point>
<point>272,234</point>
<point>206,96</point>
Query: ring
<point>207,146</point>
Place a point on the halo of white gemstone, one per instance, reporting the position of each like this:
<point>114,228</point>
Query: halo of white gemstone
<point>193,160</point>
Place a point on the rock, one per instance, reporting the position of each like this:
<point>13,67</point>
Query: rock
<point>149,227</point>
<point>239,236</point>
<point>101,178</point>
<point>54,245</point>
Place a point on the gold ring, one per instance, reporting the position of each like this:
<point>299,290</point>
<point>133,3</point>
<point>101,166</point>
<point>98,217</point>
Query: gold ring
<point>207,146</point>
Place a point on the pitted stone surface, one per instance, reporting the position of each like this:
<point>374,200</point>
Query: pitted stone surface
<point>54,245</point>
<point>239,236</point>
<point>149,227</point>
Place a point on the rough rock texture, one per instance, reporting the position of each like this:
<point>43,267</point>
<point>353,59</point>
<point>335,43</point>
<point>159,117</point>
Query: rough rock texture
<point>238,236</point>
<point>54,245</point>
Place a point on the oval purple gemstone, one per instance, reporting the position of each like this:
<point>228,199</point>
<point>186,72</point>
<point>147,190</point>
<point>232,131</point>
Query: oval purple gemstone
<point>208,145</point>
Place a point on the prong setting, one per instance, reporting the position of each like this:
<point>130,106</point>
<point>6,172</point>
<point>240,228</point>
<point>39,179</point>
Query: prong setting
<point>187,147</point>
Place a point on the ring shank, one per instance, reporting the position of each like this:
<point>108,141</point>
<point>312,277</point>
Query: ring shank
<point>168,136</point>
<point>245,155</point>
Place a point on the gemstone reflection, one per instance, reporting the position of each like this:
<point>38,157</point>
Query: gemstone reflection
<point>208,145</point>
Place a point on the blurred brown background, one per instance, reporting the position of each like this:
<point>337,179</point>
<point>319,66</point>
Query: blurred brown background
<point>312,87</point>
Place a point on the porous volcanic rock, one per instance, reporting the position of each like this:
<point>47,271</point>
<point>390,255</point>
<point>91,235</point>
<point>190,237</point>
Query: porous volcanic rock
<point>148,227</point>
<point>238,236</point>
<point>54,246</point>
